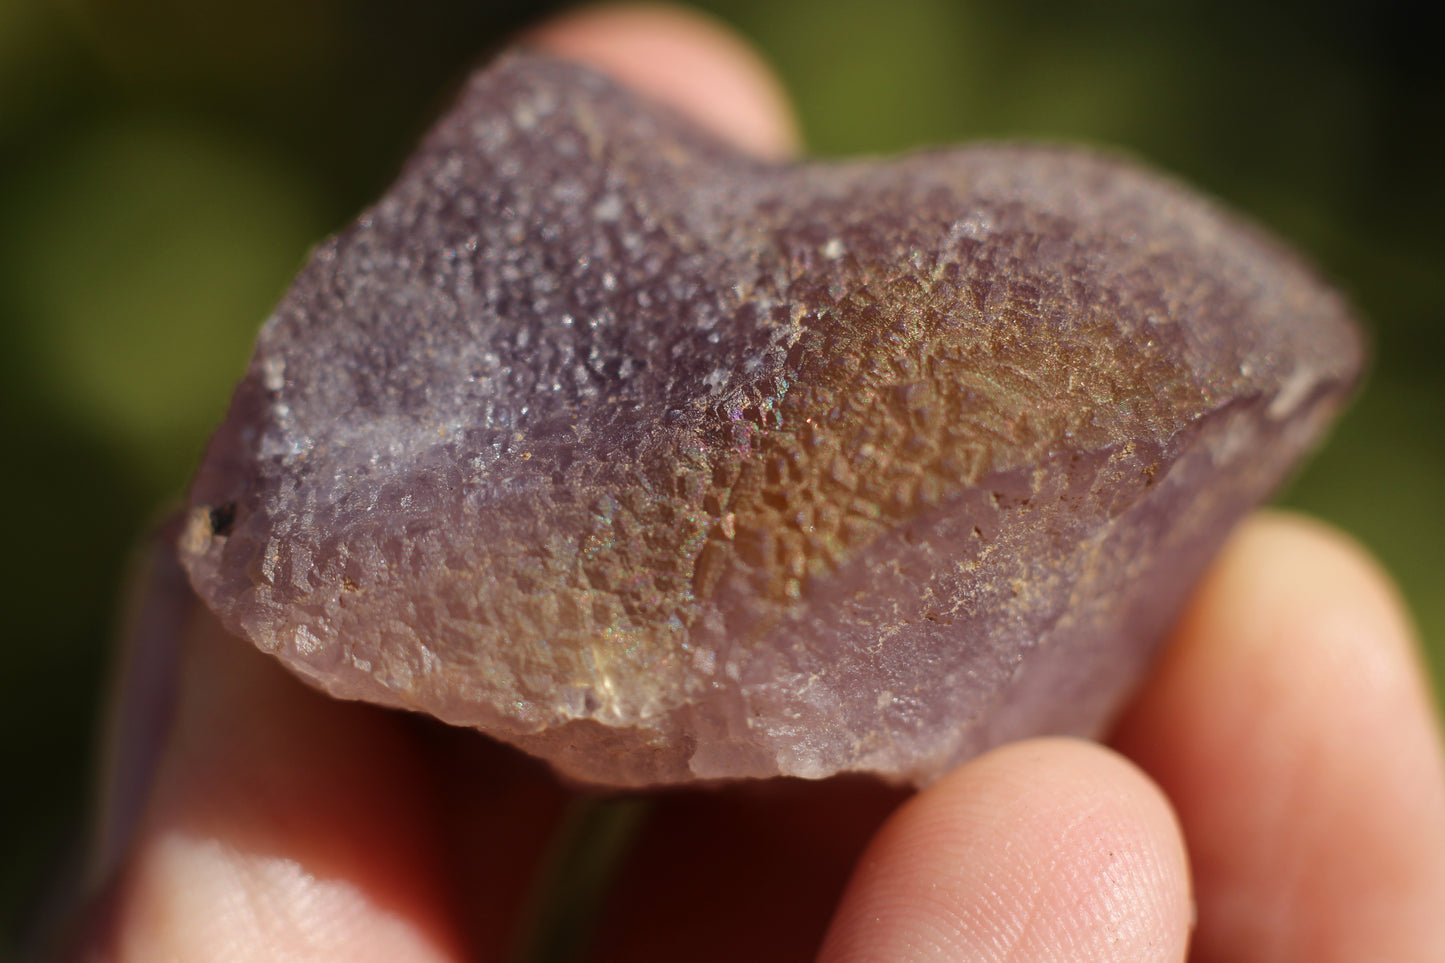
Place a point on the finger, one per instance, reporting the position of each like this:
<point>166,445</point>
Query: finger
<point>282,825</point>
<point>1291,726</point>
<point>1043,850</point>
<point>684,59</point>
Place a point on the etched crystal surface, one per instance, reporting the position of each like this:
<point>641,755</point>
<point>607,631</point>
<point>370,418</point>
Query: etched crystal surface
<point>665,463</point>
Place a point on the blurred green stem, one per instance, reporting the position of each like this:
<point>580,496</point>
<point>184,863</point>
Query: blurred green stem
<point>593,841</point>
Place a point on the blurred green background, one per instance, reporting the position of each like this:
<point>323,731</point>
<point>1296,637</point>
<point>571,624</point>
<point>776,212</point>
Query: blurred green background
<point>166,164</point>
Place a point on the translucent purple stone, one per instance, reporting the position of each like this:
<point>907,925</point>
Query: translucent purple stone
<point>664,463</point>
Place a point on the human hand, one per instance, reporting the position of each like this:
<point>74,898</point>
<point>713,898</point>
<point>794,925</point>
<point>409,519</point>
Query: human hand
<point>1285,748</point>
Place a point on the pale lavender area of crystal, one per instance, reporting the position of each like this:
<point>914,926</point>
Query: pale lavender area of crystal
<point>667,464</point>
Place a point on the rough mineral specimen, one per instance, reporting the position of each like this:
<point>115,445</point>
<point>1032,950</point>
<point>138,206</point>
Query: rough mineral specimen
<point>664,463</point>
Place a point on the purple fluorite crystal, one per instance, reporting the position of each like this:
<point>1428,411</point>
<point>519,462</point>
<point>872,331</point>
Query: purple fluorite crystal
<point>665,463</point>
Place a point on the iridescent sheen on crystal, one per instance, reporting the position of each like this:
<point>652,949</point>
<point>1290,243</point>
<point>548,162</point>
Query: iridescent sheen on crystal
<point>665,463</point>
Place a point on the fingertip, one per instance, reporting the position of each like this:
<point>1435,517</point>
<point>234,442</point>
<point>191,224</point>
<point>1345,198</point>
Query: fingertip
<point>1288,572</point>
<point>1291,723</point>
<point>685,59</point>
<point>1048,849</point>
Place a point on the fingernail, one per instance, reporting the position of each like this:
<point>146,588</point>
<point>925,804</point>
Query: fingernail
<point>141,700</point>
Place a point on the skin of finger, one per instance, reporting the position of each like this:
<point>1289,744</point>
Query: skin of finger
<point>684,59</point>
<point>1049,849</point>
<point>1291,725</point>
<point>283,825</point>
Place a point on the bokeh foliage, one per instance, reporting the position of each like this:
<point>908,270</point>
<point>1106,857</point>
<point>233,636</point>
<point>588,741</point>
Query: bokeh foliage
<point>165,165</point>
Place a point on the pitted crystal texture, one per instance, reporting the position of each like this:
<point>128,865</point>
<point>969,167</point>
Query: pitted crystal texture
<point>666,463</point>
